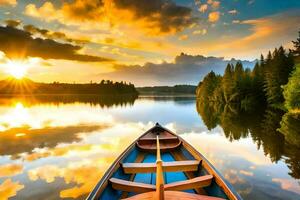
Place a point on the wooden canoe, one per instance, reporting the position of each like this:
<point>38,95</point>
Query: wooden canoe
<point>161,165</point>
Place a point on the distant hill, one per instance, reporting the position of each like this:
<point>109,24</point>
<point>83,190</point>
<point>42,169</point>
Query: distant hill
<point>27,86</point>
<point>167,90</point>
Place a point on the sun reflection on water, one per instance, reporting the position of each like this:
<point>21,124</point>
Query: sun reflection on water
<point>57,147</point>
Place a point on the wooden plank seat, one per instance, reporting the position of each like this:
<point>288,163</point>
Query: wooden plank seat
<point>129,186</point>
<point>173,195</point>
<point>198,182</point>
<point>165,145</point>
<point>160,138</point>
<point>184,166</point>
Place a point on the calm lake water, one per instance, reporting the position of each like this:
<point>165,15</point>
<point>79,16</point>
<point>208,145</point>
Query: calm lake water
<point>59,147</point>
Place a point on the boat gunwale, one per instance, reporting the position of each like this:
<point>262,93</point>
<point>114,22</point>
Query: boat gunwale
<point>219,179</point>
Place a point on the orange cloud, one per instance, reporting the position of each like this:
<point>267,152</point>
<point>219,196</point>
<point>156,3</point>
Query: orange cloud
<point>203,8</point>
<point>200,32</point>
<point>10,170</point>
<point>246,173</point>
<point>20,44</point>
<point>78,173</point>
<point>9,189</point>
<point>153,17</point>
<point>264,34</point>
<point>46,11</point>
<point>183,37</point>
<point>215,4</point>
<point>287,184</point>
<point>214,16</point>
<point>8,2</point>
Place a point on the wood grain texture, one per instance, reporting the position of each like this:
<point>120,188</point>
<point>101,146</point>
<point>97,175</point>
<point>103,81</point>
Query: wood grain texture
<point>129,186</point>
<point>189,165</point>
<point>167,141</point>
<point>173,195</point>
<point>198,182</point>
<point>159,174</point>
<point>179,156</point>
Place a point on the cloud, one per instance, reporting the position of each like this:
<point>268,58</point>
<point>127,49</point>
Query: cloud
<point>156,16</point>
<point>78,174</point>
<point>118,52</point>
<point>250,2</point>
<point>39,138</point>
<point>16,43</point>
<point>287,184</point>
<point>46,11</point>
<point>268,30</point>
<point>203,8</point>
<point>236,21</point>
<point>12,23</point>
<point>10,170</point>
<point>183,37</point>
<point>263,35</point>
<point>186,69</point>
<point>200,32</point>
<point>53,34</point>
<point>8,2</point>
<point>214,16</point>
<point>9,189</point>
<point>233,12</point>
<point>246,173</point>
<point>167,16</point>
<point>215,4</point>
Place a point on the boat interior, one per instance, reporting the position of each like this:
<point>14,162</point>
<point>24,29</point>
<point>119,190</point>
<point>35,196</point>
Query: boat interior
<point>159,165</point>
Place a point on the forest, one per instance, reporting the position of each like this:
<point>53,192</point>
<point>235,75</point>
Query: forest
<point>263,102</point>
<point>105,87</point>
<point>274,81</point>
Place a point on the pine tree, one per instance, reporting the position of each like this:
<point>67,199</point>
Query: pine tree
<point>238,71</point>
<point>296,43</point>
<point>206,89</point>
<point>292,90</point>
<point>228,83</point>
<point>277,70</point>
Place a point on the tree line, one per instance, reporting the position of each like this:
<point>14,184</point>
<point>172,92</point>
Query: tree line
<point>105,87</point>
<point>177,89</point>
<point>273,81</point>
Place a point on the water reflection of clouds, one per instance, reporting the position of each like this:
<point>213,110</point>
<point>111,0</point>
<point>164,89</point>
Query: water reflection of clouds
<point>9,189</point>
<point>287,184</point>
<point>211,143</point>
<point>64,150</point>
<point>247,168</point>
<point>40,138</point>
<point>94,159</point>
<point>40,116</point>
<point>10,170</point>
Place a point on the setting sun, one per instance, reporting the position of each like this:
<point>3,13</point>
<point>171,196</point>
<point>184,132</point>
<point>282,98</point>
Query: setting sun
<point>17,69</point>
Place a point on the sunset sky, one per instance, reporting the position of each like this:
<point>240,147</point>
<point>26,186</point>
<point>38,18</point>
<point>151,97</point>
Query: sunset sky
<point>147,42</point>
